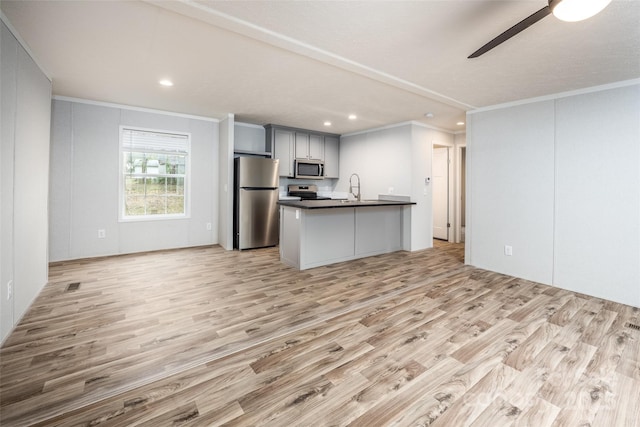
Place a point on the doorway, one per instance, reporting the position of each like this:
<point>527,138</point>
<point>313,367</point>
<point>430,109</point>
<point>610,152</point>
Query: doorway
<point>463,193</point>
<point>440,173</point>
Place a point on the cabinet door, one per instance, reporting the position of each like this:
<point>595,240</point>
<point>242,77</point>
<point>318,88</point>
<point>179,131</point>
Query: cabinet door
<point>302,145</point>
<point>331,157</point>
<point>249,139</point>
<point>283,150</point>
<point>316,147</point>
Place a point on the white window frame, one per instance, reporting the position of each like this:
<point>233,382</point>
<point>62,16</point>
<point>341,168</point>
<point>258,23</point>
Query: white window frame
<point>121,181</point>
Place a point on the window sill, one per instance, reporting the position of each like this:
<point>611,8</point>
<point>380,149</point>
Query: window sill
<point>154,218</point>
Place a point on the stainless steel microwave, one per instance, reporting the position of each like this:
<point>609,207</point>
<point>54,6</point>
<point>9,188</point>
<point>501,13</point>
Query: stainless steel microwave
<point>309,169</point>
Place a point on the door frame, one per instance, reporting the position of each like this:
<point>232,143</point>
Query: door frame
<point>451,190</point>
<point>458,160</point>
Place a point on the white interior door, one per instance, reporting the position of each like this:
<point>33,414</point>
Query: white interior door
<point>440,193</point>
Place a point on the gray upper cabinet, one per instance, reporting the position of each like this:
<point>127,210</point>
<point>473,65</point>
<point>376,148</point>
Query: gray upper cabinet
<point>283,149</point>
<point>309,146</point>
<point>331,157</point>
<point>288,144</point>
<point>302,145</point>
<point>316,147</point>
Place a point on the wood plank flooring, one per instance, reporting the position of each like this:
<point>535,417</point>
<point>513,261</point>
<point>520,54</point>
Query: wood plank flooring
<point>207,337</point>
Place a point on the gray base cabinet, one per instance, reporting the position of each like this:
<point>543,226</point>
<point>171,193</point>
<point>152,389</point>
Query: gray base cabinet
<point>290,243</point>
<point>315,237</point>
<point>378,230</point>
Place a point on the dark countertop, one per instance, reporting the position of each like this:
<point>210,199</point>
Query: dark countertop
<point>331,204</point>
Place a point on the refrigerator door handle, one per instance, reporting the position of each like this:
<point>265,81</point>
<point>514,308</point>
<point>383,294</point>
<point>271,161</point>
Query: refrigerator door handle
<point>259,188</point>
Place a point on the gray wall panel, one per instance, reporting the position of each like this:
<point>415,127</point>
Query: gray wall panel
<point>90,180</point>
<point>552,178</point>
<point>597,239</point>
<point>26,118</point>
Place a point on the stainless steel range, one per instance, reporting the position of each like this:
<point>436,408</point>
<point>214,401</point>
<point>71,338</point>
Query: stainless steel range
<point>305,192</point>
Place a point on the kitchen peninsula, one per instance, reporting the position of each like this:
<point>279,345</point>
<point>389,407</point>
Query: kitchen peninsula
<point>321,232</point>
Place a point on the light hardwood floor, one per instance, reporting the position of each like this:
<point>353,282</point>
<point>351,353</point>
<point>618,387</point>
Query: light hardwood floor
<point>204,337</point>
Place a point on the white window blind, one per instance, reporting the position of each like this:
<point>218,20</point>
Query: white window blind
<point>145,141</point>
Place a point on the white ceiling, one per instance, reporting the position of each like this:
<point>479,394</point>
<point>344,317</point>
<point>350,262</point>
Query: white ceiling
<point>299,63</point>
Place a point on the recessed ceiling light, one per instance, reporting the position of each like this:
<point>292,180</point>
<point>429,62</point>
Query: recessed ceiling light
<point>166,82</point>
<point>327,123</point>
<point>352,117</point>
<point>460,123</point>
<point>429,115</point>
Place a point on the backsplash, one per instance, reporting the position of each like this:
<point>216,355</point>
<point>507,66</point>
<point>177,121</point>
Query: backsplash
<point>325,186</point>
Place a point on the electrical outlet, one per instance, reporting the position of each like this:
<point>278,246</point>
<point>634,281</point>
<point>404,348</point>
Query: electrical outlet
<point>10,289</point>
<point>508,250</point>
<point>209,226</point>
<point>102,233</point>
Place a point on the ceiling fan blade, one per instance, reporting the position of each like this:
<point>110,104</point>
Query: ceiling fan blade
<point>520,26</point>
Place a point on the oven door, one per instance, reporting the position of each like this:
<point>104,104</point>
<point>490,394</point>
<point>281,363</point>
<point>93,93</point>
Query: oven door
<point>309,169</point>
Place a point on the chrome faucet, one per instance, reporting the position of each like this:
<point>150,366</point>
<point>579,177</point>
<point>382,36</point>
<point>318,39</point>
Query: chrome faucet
<point>351,186</point>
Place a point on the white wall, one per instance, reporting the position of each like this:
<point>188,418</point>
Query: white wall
<point>397,157</point>
<point>84,182</point>
<point>421,157</point>
<point>24,179</point>
<point>597,194</point>
<point>559,180</point>
<point>510,184</point>
<point>380,157</point>
<point>225,190</point>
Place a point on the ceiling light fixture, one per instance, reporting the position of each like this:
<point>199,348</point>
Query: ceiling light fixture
<point>327,123</point>
<point>352,117</point>
<point>576,10</point>
<point>460,123</point>
<point>565,10</point>
<point>166,82</point>
<point>429,115</point>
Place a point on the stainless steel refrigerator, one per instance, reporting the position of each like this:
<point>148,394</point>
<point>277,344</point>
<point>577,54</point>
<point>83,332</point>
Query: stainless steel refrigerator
<point>255,207</point>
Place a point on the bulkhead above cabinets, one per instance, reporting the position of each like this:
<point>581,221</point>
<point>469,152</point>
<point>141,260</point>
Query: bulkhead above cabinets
<point>249,140</point>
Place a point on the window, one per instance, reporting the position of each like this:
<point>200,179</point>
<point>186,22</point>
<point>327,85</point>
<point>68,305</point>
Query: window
<point>154,174</point>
